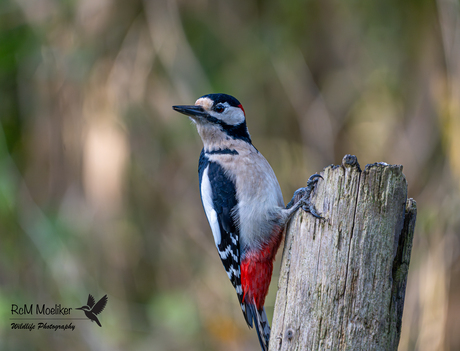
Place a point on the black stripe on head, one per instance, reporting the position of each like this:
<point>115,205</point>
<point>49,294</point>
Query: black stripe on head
<point>221,98</point>
<point>239,131</point>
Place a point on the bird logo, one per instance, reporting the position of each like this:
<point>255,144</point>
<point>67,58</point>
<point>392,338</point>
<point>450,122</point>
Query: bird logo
<point>92,308</point>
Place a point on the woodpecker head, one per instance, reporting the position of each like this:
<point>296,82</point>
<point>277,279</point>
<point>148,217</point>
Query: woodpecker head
<point>218,117</point>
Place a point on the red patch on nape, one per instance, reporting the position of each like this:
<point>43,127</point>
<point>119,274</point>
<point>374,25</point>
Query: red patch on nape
<point>241,107</point>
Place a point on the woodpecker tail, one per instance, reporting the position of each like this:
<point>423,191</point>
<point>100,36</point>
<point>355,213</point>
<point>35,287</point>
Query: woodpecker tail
<point>261,324</point>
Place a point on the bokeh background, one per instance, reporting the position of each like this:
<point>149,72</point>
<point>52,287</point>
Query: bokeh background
<point>98,175</point>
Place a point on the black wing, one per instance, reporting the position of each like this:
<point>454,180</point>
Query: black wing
<point>224,202</point>
<point>91,301</point>
<point>99,307</point>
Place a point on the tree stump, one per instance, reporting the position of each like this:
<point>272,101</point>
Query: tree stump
<point>343,278</point>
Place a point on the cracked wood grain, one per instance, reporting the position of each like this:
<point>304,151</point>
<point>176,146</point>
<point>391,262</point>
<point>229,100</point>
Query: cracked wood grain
<point>343,279</point>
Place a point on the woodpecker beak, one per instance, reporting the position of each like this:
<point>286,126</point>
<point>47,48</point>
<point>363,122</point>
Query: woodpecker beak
<point>191,110</point>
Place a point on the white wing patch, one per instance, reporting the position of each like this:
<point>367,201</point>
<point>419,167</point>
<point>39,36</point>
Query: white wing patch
<point>206,197</point>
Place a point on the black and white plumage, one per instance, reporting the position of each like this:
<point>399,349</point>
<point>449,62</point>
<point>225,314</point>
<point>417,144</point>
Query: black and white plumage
<point>242,201</point>
<point>218,195</point>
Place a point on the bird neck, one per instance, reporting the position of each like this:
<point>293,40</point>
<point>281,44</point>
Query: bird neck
<point>215,138</point>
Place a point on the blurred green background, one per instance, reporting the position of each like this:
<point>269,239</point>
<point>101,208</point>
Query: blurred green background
<point>98,175</point>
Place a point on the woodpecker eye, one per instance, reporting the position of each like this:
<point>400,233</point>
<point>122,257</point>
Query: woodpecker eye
<point>219,108</point>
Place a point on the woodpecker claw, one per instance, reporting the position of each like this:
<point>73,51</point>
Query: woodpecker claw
<point>307,205</point>
<point>313,179</point>
<point>310,208</point>
<point>301,197</point>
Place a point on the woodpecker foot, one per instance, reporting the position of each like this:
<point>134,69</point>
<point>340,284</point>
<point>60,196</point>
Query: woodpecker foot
<point>301,197</point>
<point>307,206</point>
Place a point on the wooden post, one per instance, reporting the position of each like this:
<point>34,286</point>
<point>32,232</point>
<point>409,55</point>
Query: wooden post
<point>343,279</point>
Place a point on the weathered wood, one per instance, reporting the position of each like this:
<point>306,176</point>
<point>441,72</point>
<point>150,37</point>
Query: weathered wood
<point>343,279</point>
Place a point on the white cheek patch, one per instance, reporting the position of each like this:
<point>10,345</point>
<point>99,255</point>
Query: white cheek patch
<point>233,116</point>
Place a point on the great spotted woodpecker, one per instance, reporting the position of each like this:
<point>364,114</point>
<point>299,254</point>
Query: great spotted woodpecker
<point>242,201</point>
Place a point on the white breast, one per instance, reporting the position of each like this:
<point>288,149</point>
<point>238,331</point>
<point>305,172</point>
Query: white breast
<point>260,204</point>
<point>260,201</point>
